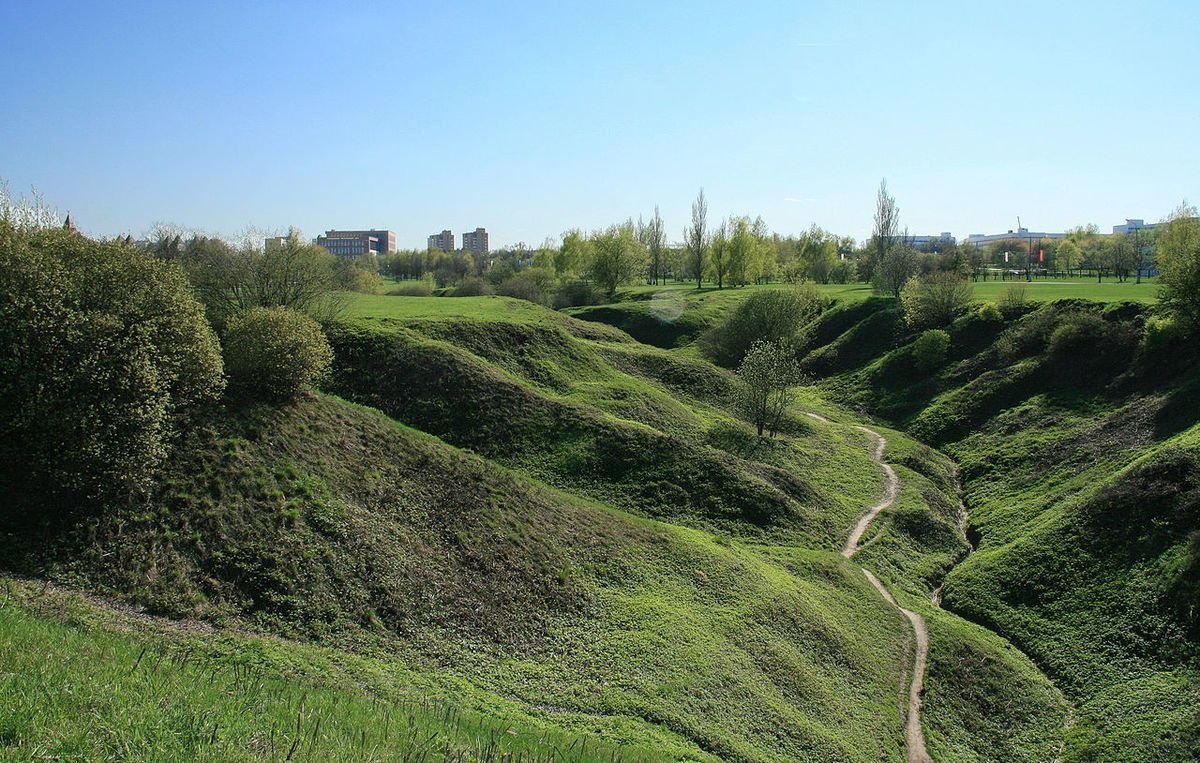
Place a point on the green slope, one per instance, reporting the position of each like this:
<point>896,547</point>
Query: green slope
<point>1078,454</point>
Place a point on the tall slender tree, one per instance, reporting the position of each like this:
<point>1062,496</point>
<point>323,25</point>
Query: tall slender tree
<point>695,237</point>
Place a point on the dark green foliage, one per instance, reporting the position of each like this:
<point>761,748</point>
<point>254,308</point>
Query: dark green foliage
<point>275,353</point>
<point>106,356</point>
<point>768,315</point>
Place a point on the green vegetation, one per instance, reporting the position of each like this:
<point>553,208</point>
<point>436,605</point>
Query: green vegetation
<point>275,353</point>
<point>106,356</point>
<point>132,687</point>
<point>1077,441</point>
<point>545,539</point>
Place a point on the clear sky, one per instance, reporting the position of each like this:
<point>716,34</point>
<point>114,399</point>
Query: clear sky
<point>530,118</point>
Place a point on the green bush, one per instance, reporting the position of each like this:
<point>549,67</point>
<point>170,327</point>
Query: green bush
<point>929,351</point>
<point>472,287</point>
<point>935,299</point>
<point>577,295</point>
<point>769,315</point>
<point>532,285</point>
<point>422,287</point>
<point>990,311</point>
<point>1079,333</point>
<point>1014,299</point>
<point>275,353</point>
<point>1162,335</point>
<point>106,354</point>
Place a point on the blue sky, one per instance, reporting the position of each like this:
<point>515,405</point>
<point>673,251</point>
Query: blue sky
<point>530,118</point>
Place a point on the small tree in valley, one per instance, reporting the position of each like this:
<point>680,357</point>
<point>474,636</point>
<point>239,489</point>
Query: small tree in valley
<point>769,374</point>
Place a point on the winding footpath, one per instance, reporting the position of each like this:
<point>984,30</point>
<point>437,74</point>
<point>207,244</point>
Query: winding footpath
<point>914,737</point>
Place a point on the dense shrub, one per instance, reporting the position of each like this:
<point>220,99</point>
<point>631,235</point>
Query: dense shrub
<point>1162,335</point>
<point>929,351</point>
<point>990,311</point>
<point>1014,299</point>
<point>577,295</point>
<point>422,287</point>
<point>472,287</point>
<point>532,285</point>
<point>358,275</point>
<point>274,353</point>
<point>292,274</point>
<point>769,315</point>
<point>934,300</point>
<point>106,354</point>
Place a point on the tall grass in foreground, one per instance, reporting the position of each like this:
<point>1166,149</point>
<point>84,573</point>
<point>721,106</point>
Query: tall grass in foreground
<point>73,694</point>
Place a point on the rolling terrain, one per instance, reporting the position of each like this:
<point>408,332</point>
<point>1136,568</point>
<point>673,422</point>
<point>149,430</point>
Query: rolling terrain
<point>562,533</point>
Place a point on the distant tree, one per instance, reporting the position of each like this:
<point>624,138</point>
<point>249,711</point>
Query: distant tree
<point>884,235</point>
<point>653,237</point>
<point>296,275</point>
<point>573,255</point>
<point>617,257</point>
<point>1178,255</point>
<point>894,269</point>
<point>1068,255</point>
<point>695,237</point>
<point>718,261</point>
<point>107,356</point>
<point>769,373</point>
<point>893,261</point>
<point>744,250</point>
<point>934,300</point>
<point>816,253</point>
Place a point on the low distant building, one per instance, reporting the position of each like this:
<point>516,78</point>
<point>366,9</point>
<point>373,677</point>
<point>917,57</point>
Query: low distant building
<point>980,240</point>
<point>930,243</point>
<point>1134,225</point>
<point>442,242</point>
<point>476,242</point>
<point>358,243</point>
<point>275,242</point>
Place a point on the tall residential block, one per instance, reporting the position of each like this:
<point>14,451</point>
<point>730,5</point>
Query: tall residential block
<point>442,242</point>
<point>476,242</point>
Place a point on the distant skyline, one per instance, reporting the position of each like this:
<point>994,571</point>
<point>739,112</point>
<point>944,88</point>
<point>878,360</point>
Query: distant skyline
<point>229,115</point>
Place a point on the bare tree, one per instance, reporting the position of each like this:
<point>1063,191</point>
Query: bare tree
<point>894,261</point>
<point>887,221</point>
<point>695,236</point>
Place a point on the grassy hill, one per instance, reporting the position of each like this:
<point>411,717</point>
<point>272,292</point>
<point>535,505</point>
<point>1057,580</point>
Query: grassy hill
<point>584,545</point>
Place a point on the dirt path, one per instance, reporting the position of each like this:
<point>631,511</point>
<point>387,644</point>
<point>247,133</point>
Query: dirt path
<point>914,736</point>
<point>889,495</point>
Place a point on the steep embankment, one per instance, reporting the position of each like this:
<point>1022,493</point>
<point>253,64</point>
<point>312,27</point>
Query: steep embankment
<point>1078,447</point>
